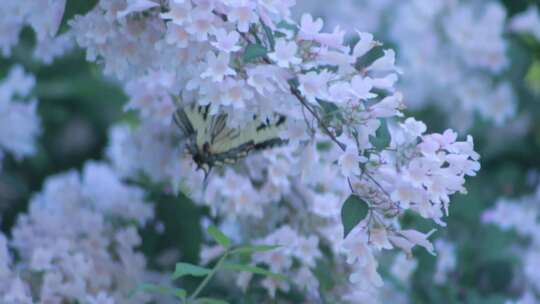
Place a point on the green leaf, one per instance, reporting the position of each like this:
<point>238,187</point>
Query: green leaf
<point>254,51</point>
<point>252,269</point>
<point>254,248</point>
<point>210,301</point>
<point>288,26</point>
<point>152,288</point>
<point>532,79</point>
<point>183,269</point>
<point>353,211</point>
<point>269,35</point>
<point>382,137</point>
<point>219,237</point>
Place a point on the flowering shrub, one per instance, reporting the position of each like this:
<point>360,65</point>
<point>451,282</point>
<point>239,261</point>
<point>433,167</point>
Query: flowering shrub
<point>18,109</point>
<point>335,196</point>
<point>469,35</point>
<point>521,216</point>
<point>77,242</point>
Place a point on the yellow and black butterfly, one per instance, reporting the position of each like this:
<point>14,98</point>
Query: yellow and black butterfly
<point>212,143</point>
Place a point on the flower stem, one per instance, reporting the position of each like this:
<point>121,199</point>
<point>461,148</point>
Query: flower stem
<point>207,278</point>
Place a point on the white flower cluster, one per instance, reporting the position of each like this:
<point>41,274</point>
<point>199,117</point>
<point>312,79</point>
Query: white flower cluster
<point>247,59</point>
<point>521,216</point>
<point>527,22</point>
<point>446,260</point>
<point>469,35</point>
<point>364,15</point>
<point>18,109</point>
<point>199,52</point>
<point>77,242</point>
<point>44,17</point>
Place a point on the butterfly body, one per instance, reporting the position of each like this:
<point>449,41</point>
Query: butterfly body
<point>212,143</point>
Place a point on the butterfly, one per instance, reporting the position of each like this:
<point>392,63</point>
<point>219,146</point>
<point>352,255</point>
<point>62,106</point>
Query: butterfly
<point>212,143</point>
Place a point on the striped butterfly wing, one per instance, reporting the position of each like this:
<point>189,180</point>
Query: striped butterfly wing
<point>211,142</point>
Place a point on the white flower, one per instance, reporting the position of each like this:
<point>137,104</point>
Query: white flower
<point>446,260</point>
<point>242,13</point>
<point>307,250</point>
<point>309,28</point>
<point>100,298</point>
<point>388,107</point>
<point>405,193</point>
<point>218,67</point>
<point>364,44</point>
<point>385,63</point>
<point>361,87</point>
<point>366,274</point>
<point>403,267</point>
<point>285,53</point>
<point>19,122</point>
<point>528,21</point>
<point>19,292</point>
<point>379,238</point>
<point>314,85</point>
<point>179,12</point>
<point>136,6</point>
<point>226,42</point>
<point>350,161</point>
<point>235,93</point>
<point>201,25</point>
<point>418,238</point>
<point>177,35</point>
<point>414,127</point>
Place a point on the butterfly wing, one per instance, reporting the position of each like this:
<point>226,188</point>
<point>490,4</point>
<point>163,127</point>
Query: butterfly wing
<point>229,144</point>
<point>211,142</point>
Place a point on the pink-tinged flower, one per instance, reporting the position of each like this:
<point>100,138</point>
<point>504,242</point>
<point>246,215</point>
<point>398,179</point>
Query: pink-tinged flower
<point>136,6</point>
<point>307,250</point>
<point>309,28</point>
<point>405,193</point>
<point>285,53</point>
<point>179,12</point>
<point>364,44</point>
<point>242,12</point>
<point>402,243</point>
<point>339,92</point>
<point>218,67</point>
<point>414,127</point>
<point>420,239</point>
<point>379,238</point>
<point>226,42</point>
<point>355,247</point>
<point>366,274</point>
<point>333,40</point>
<point>465,147</point>
<point>235,93</point>
<point>177,35</point>
<point>387,63</point>
<point>202,23</point>
<point>272,285</point>
<point>388,107</point>
<point>361,87</point>
<point>260,78</point>
<point>527,22</point>
<point>18,292</point>
<point>314,86</point>
<point>403,267</point>
<point>349,161</point>
<point>385,83</point>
